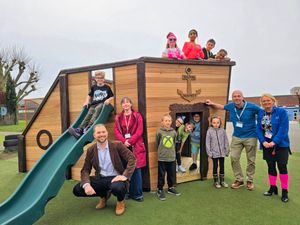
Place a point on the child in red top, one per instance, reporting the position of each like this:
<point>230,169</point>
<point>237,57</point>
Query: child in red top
<point>191,49</point>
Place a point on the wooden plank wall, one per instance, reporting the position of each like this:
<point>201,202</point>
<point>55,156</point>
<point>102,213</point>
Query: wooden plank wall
<point>162,82</point>
<point>48,119</point>
<point>126,85</point>
<point>78,89</point>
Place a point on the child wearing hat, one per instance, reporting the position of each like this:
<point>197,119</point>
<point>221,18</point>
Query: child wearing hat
<point>172,51</point>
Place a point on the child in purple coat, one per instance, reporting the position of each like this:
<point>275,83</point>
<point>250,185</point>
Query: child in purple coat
<point>217,148</point>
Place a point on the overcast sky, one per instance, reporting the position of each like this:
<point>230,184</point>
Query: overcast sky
<point>263,37</point>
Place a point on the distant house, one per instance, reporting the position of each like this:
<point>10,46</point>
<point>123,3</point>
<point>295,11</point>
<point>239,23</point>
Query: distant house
<point>27,108</point>
<point>289,102</point>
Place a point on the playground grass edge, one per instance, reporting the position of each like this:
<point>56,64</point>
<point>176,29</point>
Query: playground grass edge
<point>200,202</point>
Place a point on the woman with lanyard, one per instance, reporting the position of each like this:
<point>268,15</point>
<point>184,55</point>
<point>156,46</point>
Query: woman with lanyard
<point>272,130</point>
<point>128,129</point>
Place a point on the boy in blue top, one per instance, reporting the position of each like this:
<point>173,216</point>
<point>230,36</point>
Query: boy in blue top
<point>195,140</point>
<point>243,116</point>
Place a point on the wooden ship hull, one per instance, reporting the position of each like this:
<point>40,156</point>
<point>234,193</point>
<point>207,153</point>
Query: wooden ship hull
<point>156,86</point>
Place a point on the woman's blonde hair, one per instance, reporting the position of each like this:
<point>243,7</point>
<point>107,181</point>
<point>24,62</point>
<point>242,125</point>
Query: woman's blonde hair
<point>268,95</point>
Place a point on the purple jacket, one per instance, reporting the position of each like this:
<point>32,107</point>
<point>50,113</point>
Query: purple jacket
<point>216,143</point>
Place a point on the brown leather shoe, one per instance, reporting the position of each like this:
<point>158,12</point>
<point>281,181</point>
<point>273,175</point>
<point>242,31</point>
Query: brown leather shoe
<point>120,207</point>
<point>250,185</point>
<point>103,201</point>
<point>237,184</point>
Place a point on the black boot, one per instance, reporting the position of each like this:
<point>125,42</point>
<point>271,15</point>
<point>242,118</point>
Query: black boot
<point>273,189</point>
<point>284,196</point>
<point>216,181</point>
<point>222,181</point>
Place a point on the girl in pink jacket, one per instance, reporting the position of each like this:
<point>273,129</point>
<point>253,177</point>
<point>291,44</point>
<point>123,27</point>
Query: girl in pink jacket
<point>172,51</point>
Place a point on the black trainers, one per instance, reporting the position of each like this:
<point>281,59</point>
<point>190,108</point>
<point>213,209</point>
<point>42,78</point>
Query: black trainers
<point>173,191</point>
<point>284,197</point>
<point>141,199</point>
<point>193,166</point>
<point>76,132</point>
<point>161,195</point>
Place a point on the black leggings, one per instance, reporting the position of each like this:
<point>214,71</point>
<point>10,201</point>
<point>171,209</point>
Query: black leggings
<point>221,165</point>
<point>272,168</point>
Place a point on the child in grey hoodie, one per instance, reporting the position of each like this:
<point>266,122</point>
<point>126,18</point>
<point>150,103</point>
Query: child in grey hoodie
<point>165,144</point>
<point>217,148</point>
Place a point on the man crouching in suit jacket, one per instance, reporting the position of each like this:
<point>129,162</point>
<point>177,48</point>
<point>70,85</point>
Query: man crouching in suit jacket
<point>107,158</point>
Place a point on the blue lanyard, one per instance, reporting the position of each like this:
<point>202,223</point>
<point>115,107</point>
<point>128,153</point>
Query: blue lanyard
<point>239,116</point>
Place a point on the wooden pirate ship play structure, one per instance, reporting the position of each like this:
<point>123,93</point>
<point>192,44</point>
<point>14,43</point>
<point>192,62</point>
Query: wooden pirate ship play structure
<point>156,86</point>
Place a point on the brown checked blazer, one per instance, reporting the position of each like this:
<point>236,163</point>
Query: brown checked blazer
<point>118,154</point>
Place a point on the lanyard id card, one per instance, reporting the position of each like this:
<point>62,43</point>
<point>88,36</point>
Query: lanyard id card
<point>239,124</point>
<point>268,134</point>
<point>127,136</point>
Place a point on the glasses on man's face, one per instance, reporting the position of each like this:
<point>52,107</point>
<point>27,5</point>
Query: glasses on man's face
<point>172,39</point>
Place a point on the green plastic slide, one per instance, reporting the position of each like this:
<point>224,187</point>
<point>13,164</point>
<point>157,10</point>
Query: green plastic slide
<point>26,205</point>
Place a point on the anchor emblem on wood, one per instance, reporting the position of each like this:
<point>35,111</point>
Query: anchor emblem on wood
<point>189,96</point>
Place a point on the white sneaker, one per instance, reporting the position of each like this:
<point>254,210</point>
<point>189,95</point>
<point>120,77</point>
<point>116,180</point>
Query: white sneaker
<point>181,169</point>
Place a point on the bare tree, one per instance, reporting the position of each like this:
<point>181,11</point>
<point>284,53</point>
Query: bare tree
<point>24,73</point>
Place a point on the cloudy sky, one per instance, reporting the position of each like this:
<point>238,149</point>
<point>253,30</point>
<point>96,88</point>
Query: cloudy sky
<point>262,36</point>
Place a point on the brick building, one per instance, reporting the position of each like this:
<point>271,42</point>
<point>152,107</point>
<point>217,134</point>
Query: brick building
<point>27,108</point>
<point>289,102</point>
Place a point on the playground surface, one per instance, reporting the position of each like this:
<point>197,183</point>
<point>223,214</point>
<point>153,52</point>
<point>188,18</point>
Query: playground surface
<point>200,202</point>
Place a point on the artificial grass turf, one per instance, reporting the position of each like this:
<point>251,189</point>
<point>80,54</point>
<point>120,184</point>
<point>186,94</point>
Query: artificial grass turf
<point>1,139</point>
<point>200,202</point>
<point>14,128</point>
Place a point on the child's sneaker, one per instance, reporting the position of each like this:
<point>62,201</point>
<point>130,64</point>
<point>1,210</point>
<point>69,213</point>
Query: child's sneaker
<point>86,129</point>
<point>76,132</point>
<point>161,195</point>
<point>223,184</point>
<point>217,185</point>
<point>173,191</point>
<point>181,169</point>
<point>222,181</point>
<point>193,166</point>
